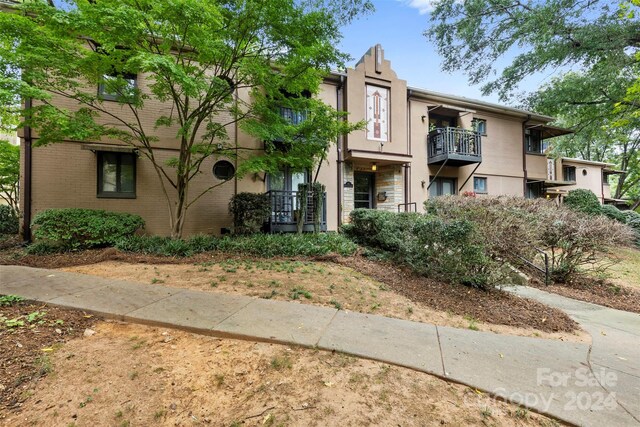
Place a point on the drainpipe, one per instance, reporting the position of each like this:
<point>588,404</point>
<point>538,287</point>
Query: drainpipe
<point>407,166</point>
<point>26,191</point>
<point>339,148</point>
<point>524,156</point>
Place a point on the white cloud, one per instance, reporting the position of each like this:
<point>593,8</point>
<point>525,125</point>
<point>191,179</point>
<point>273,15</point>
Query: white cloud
<point>423,6</point>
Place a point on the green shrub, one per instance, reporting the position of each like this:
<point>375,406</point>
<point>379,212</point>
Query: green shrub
<point>8,220</point>
<point>44,248</point>
<point>84,228</point>
<point>249,211</point>
<point>447,250</point>
<point>613,213</point>
<point>633,220</point>
<point>582,200</point>
<point>264,245</point>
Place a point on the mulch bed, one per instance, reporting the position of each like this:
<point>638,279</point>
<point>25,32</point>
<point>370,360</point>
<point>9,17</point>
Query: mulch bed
<point>597,292</point>
<point>493,306</point>
<point>25,350</point>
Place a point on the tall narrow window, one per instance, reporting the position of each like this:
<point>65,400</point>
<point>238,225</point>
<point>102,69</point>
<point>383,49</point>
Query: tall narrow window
<point>569,173</point>
<point>480,126</point>
<point>116,175</point>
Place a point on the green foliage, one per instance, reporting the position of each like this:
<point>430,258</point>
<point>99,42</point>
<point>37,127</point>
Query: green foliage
<point>446,250</point>
<point>9,300</point>
<point>8,220</point>
<point>193,56</point>
<point>633,220</point>
<point>265,245</point>
<point>250,211</point>
<point>9,176</point>
<point>84,228</point>
<point>582,200</point>
<point>613,213</point>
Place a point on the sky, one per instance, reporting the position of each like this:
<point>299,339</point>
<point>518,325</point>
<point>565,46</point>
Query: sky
<point>398,25</point>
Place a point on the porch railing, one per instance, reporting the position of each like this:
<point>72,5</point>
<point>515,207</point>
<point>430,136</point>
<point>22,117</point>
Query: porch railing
<point>450,140</point>
<point>285,208</point>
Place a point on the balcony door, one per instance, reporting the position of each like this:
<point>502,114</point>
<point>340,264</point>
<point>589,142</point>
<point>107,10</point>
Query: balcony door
<point>442,187</point>
<point>363,188</point>
<point>442,121</point>
<point>287,180</point>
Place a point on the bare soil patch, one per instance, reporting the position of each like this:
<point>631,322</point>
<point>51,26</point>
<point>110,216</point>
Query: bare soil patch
<point>29,334</point>
<point>136,375</point>
<point>331,284</point>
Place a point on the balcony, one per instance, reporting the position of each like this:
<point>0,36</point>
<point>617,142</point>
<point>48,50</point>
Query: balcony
<point>455,146</point>
<point>285,211</point>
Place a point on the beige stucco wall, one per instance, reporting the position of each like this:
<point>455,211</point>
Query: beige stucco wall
<point>591,181</point>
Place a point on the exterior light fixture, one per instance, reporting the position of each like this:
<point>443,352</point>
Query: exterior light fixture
<point>374,167</point>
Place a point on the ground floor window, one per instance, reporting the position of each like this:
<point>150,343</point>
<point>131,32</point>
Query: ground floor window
<point>363,189</point>
<point>535,190</point>
<point>442,187</point>
<point>480,185</point>
<point>116,175</point>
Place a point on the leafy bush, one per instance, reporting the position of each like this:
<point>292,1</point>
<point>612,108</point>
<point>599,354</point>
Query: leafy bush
<point>613,213</point>
<point>84,228</point>
<point>582,200</point>
<point>447,250</point>
<point>511,228</point>
<point>8,220</point>
<point>250,211</point>
<point>266,245</point>
<point>633,220</point>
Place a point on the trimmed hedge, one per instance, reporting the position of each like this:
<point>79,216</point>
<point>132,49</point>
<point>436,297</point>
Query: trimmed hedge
<point>264,245</point>
<point>584,201</point>
<point>633,220</point>
<point>446,250</point>
<point>84,228</point>
<point>250,211</point>
<point>613,213</point>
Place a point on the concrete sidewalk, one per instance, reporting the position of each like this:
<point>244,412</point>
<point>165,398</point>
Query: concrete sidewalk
<point>573,382</point>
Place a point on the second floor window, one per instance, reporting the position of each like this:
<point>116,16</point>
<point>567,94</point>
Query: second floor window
<point>480,126</point>
<point>115,87</point>
<point>292,116</point>
<point>569,173</point>
<point>533,141</point>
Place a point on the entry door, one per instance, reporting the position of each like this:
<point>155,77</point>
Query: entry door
<point>363,188</point>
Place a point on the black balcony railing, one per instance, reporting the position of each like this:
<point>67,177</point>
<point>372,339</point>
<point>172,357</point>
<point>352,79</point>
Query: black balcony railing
<point>454,145</point>
<point>285,209</point>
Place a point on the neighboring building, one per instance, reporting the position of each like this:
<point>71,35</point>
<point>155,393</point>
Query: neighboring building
<point>417,144</point>
<point>571,174</point>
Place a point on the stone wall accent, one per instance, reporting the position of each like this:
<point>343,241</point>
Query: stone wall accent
<point>347,193</point>
<point>389,181</point>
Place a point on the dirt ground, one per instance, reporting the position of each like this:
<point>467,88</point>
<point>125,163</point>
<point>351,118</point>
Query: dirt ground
<point>29,334</point>
<point>335,285</point>
<point>128,375</point>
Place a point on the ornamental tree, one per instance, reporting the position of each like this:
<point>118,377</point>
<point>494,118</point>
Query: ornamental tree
<point>195,57</point>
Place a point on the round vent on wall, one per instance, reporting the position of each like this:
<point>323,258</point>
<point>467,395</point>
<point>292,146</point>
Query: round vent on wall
<point>223,170</point>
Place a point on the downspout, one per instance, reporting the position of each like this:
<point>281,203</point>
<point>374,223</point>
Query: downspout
<point>407,166</point>
<point>235,124</point>
<point>26,191</point>
<point>524,156</point>
<point>339,148</point>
